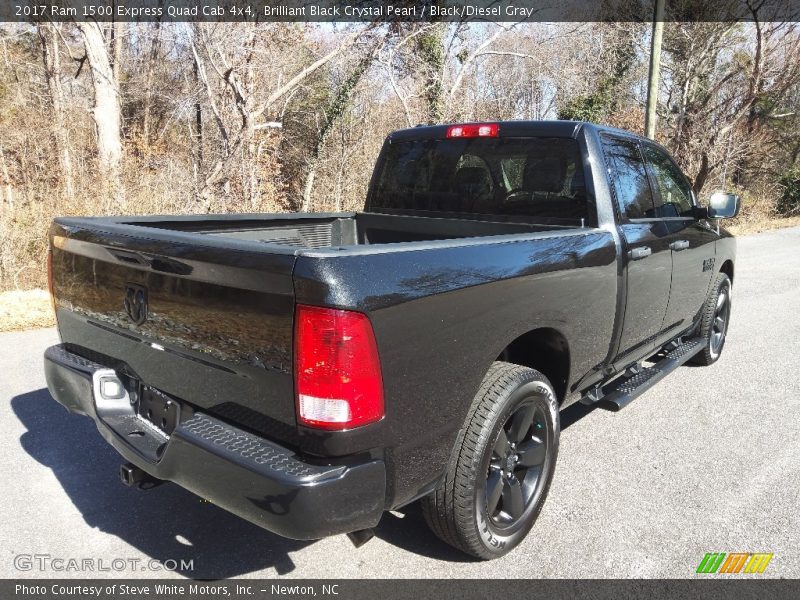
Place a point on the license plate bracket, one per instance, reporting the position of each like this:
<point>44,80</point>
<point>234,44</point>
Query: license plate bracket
<point>161,410</point>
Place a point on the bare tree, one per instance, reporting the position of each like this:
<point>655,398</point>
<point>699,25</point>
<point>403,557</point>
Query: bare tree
<point>107,108</point>
<point>249,104</point>
<point>332,112</point>
<point>721,76</point>
<point>275,116</point>
<point>436,59</point>
<point>152,59</point>
<point>48,36</point>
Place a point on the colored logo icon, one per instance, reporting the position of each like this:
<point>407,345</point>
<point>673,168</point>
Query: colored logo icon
<point>734,562</point>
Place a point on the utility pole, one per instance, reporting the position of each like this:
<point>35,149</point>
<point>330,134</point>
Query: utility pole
<point>655,66</point>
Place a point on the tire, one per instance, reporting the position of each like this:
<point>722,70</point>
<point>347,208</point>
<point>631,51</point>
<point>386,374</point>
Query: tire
<point>714,321</point>
<point>514,405</point>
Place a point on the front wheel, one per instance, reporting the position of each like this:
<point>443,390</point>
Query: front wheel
<point>502,465</point>
<point>714,321</point>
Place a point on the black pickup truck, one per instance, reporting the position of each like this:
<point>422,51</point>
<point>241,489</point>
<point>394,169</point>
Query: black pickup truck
<point>310,371</point>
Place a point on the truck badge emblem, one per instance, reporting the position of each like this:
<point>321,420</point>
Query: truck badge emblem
<point>136,303</point>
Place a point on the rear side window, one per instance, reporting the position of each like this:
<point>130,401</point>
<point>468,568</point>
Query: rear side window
<point>531,179</point>
<point>674,195</point>
<point>629,176</point>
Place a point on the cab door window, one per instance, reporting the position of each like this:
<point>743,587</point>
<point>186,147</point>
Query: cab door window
<point>631,185</point>
<point>673,196</point>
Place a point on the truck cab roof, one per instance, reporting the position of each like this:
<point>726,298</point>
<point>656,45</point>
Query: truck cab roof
<point>542,128</point>
<point>506,129</point>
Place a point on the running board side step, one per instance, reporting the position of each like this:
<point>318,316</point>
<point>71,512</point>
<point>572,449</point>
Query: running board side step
<point>622,391</point>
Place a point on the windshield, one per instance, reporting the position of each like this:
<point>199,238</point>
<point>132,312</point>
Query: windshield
<point>531,179</point>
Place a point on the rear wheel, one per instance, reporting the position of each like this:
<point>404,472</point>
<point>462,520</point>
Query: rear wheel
<point>714,321</point>
<point>502,465</point>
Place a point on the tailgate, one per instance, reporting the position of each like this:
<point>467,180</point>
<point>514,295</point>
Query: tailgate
<point>208,321</point>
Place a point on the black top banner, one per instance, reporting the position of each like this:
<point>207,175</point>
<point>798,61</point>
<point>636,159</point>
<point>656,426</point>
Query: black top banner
<point>371,11</point>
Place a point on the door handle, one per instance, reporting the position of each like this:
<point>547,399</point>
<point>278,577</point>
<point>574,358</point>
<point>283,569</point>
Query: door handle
<point>679,245</point>
<point>640,252</point>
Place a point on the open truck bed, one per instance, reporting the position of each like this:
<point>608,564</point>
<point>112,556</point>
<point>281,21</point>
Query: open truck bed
<point>332,230</point>
<point>220,295</point>
<point>213,350</point>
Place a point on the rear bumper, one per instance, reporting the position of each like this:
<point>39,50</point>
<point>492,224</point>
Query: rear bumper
<point>245,474</point>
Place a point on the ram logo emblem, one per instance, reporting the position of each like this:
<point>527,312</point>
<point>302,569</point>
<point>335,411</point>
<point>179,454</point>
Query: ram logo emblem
<point>136,303</point>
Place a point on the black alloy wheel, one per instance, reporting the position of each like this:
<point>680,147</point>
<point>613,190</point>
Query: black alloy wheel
<point>722,314</point>
<point>514,476</point>
<point>714,321</point>
<point>501,466</point>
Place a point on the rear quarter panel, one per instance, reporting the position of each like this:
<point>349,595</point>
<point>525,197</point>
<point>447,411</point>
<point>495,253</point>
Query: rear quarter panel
<point>443,312</point>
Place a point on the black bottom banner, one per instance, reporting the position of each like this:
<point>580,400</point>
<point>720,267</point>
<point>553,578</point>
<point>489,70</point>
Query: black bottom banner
<point>379,589</point>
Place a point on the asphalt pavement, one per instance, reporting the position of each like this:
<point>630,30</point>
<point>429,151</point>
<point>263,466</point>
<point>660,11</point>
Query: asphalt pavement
<point>706,461</point>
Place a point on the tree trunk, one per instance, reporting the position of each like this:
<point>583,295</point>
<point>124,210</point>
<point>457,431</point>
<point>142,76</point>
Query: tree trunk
<point>431,51</point>
<point>9,190</point>
<point>237,144</point>
<point>335,109</point>
<point>106,111</point>
<point>198,123</point>
<point>116,45</point>
<point>224,168</point>
<point>155,47</point>
<point>308,187</point>
<point>702,174</point>
<point>52,69</point>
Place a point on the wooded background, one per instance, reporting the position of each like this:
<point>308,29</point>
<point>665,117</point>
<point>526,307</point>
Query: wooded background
<point>149,118</point>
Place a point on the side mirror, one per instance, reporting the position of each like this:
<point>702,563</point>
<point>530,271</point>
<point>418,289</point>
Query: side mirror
<point>722,205</point>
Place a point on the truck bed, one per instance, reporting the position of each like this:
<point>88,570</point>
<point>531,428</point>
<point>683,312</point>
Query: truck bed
<point>337,230</point>
<point>222,293</point>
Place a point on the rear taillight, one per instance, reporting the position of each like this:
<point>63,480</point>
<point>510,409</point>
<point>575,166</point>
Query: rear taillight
<point>337,370</point>
<point>50,285</point>
<point>473,130</point>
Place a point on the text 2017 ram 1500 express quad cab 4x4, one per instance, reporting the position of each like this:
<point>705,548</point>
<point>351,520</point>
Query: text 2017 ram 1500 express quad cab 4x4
<point>308,372</point>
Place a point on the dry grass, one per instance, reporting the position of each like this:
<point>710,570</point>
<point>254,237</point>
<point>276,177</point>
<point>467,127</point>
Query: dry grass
<point>748,226</point>
<point>759,213</point>
<point>28,309</point>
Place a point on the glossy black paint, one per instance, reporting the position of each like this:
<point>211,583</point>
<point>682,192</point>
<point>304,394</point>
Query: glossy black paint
<point>690,282</point>
<point>446,296</point>
<point>663,287</point>
<point>254,478</point>
<point>442,315</point>
<point>648,283</point>
<point>226,345</point>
